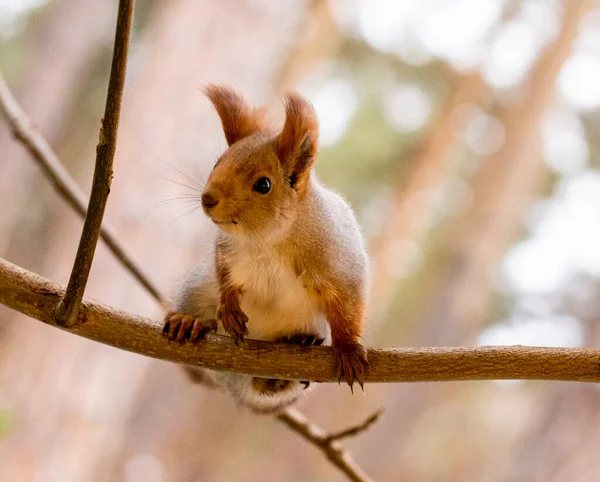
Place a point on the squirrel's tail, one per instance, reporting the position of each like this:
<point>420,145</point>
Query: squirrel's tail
<point>262,395</point>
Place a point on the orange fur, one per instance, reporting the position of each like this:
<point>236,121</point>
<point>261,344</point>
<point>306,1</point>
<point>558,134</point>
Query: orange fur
<point>229,313</point>
<point>297,145</point>
<point>239,119</point>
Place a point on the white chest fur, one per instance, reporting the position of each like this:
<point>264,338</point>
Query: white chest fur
<point>273,297</point>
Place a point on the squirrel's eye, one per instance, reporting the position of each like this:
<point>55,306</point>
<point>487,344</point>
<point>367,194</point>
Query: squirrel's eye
<point>263,185</point>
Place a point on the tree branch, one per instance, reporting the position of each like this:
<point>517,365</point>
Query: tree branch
<point>68,309</point>
<point>352,431</point>
<point>38,297</point>
<point>328,443</point>
<point>25,131</point>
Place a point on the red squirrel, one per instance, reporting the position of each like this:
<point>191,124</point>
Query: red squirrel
<point>288,263</point>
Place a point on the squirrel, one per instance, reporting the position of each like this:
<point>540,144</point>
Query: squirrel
<point>288,263</point>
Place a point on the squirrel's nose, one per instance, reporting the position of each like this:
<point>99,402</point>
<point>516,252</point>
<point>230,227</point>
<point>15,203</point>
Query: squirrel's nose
<point>209,200</point>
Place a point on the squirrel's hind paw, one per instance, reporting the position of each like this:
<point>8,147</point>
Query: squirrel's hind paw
<point>179,327</point>
<point>351,363</point>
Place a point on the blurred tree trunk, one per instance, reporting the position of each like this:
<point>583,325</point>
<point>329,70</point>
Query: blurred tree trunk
<point>503,189</point>
<point>318,39</point>
<point>60,42</point>
<point>413,202</point>
<point>562,442</point>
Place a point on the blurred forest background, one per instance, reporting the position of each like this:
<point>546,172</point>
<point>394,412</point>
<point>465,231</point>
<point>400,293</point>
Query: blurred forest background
<point>464,132</point>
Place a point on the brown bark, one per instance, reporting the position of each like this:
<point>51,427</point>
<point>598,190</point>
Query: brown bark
<point>38,298</point>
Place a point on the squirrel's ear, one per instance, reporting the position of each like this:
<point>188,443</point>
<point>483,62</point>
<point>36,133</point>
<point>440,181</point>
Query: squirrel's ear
<point>239,119</point>
<point>298,143</point>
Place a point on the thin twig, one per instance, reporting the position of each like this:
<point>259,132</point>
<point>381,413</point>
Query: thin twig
<point>24,131</point>
<point>330,447</point>
<point>38,297</point>
<point>350,432</point>
<point>68,310</point>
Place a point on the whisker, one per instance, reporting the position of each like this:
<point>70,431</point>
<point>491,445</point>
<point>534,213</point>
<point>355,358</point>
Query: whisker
<point>167,204</point>
<point>181,198</point>
<point>194,182</point>
<point>200,175</point>
<point>187,213</point>
<point>184,196</point>
<point>170,202</point>
<point>193,188</point>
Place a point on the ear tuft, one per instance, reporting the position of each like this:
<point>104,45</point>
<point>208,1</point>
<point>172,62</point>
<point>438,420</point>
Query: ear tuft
<point>298,143</point>
<point>238,118</point>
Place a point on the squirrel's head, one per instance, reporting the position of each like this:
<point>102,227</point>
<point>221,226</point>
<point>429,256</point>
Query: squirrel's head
<point>257,185</point>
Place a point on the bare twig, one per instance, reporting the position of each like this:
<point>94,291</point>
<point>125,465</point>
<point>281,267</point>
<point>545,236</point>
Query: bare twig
<point>352,431</point>
<point>38,297</point>
<point>68,309</point>
<point>24,130</point>
<point>327,443</point>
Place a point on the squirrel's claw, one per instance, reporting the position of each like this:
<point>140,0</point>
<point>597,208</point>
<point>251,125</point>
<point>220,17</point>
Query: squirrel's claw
<point>201,328</point>
<point>179,327</point>
<point>302,339</point>
<point>171,326</point>
<point>234,322</point>
<point>351,364</point>
<point>184,328</point>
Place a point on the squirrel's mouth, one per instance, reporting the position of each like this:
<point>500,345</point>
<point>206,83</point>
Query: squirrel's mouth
<point>222,223</point>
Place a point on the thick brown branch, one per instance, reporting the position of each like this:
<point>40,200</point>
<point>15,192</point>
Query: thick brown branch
<point>24,130</point>
<point>68,310</point>
<point>330,447</point>
<point>38,297</point>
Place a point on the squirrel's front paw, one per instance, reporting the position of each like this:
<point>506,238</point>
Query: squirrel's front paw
<point>351,363</point>
<point>179,327</point>
<point>234,321</point>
